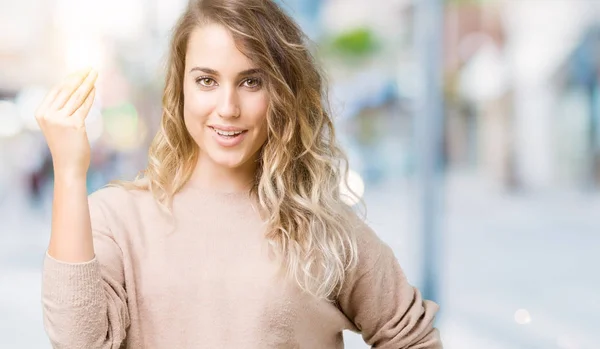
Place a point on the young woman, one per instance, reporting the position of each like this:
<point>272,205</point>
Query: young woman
<point>235,236</point>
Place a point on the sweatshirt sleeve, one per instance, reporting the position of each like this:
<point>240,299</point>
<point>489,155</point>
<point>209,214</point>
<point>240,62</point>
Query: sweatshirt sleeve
<point>85,304</point>
<point>377,297</point>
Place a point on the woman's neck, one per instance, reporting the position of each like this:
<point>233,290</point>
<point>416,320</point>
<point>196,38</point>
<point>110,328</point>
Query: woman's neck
<point>216,178</point>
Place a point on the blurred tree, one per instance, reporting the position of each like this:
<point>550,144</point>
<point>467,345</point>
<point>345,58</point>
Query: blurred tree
<point>356,42</point>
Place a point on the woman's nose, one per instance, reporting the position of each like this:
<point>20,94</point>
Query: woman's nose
<point>229,104</point>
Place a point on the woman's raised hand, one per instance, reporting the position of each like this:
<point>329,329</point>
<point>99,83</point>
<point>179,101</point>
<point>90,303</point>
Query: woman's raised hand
<point>61,117</point>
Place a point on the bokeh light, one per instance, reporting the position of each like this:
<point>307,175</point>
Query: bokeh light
<point>124,130</point>
<point>27,102</point>
<point>356,185</point>
<point>10,121</point>
<point>522,317</point>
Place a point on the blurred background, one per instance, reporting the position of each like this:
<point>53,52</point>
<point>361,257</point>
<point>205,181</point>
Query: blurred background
<point>472,128</point>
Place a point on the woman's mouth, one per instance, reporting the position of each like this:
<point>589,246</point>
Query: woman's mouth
<point>228,134</point>
<point>228,138</point>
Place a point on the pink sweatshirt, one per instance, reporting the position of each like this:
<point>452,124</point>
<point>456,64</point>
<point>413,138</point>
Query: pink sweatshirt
<point>211,283</point>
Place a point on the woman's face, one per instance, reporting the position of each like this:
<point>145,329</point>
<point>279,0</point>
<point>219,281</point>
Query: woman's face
<point>225,102</point>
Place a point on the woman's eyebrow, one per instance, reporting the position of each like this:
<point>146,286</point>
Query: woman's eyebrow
<point>205,70</point>
<point>250,72</point>
<point>216,73</point>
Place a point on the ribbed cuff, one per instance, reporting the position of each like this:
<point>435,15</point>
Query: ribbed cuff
<point>74,284</point>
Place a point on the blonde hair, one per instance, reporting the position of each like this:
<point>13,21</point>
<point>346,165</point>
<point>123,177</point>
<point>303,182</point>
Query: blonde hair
<point>300,166</point>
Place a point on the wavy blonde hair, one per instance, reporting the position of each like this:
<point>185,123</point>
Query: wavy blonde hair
<point>300,166</point>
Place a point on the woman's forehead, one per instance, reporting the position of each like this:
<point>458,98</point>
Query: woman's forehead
<point>212,46</point>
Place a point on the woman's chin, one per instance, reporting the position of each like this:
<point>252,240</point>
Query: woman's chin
<point>229,159</point>
<point>228,162</point>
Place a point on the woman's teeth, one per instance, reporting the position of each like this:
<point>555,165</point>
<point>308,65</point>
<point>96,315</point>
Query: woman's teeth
<point>227,133</point>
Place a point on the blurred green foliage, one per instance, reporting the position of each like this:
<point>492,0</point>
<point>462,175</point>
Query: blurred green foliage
<point>358,42</point>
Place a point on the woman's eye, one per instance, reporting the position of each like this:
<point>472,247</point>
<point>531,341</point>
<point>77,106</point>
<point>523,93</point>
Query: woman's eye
<point>206,82</point>
<point>252,82</point>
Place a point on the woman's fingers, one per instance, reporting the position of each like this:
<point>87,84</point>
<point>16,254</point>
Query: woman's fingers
<point>84,108</point>
<point>71,83</point>
<point>81,94</point>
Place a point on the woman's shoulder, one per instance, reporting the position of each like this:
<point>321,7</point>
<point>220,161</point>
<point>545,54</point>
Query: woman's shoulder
<point>371,247</point>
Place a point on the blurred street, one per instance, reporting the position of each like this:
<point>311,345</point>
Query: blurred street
<point>538,253</point>
<point>499,98</point>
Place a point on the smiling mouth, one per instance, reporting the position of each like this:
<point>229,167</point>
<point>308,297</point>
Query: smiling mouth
<point>228,134</point>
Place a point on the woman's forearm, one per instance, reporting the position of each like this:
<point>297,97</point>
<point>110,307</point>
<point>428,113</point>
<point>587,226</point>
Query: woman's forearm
<point>71,236</point>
